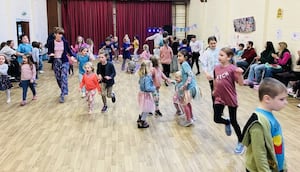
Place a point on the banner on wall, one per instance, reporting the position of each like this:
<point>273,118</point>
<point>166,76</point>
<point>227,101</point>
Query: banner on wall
<point>185,29</point>
<point>244,25</point>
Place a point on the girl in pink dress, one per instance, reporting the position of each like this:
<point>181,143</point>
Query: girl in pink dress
<point>145,98</point>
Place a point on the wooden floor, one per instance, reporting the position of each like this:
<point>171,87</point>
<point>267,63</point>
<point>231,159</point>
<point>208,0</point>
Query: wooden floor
<point>47,136</point>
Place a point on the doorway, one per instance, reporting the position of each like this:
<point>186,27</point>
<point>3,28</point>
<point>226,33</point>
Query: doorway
<point>22,29</point>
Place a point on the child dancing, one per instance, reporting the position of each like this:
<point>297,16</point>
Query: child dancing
<point>90,81</point>
<point>145,98</point>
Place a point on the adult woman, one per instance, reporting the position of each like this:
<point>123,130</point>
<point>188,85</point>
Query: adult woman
<point>282,61</point>
<point>256,69</point>
<point>58,49</point>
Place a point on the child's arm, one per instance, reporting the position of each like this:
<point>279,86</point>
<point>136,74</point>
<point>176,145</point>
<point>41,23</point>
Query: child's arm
<point>259,150</point>
<point>95,80</point>
<point>239,76</point>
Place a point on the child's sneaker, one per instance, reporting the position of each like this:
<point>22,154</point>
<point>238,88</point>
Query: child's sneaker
<point>34,98</point>
<point>113,97</point>
<point>143,124</point>
<point>239,149</point>
<point>8,100</point>
<point>23,103</point>
<point>298,105</point>
<point>139,119</point>
<point>228,129</point>
<point>186,123</point>
<point>83,95</point>
<point>104,109</point>
<point>61,99</point>
<point>158,113</point>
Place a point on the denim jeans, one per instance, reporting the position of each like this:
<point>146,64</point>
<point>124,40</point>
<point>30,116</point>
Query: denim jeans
<point>80,79</point>
<point>270,71</point>
<point>255,72</point>
<point>25,84</point>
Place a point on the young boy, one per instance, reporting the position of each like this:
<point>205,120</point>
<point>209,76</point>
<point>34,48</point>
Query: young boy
<point>262,133</point>
<point>106,73</point>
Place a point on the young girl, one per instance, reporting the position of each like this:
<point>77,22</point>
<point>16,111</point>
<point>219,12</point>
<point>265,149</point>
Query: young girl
<point>178,94</point>
<point>90,81</point>
<point>82,57</point>
<point>209,59</point>
<point>5,84</point>
<point>146,53</point>
<point>79,43</point>
<point>28,73</point>
<point>90,46</point>
<point>188,86</point>
<point>145,98</point>
<point>157,76</point>
<point>136,45</point>
<point>225,76</point>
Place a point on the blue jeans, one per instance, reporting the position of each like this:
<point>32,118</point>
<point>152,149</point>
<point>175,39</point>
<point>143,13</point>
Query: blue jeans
<point>25,84</point>
<point>80,79</point>
<point>269,72</point>
<point>40,67</point>
<point>255,72</point>
<point>242,64</point>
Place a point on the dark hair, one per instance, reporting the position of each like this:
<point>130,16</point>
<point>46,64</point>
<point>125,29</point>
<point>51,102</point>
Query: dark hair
<point>82,48</point>
<point>30,60</point>
<point>228,51</point>
<point>165,34</point>
<point>184,52</point>
<point>193,36</point>
<point>270,87</point>
<point>23,36</point>
<point>211,38</point>
<point>8,42</point>
<point>166,42</point>
<point>250,43</point>
<point>2,45</point>
<point>184,41</point>
<point>269,49</point>
<point>107,39</point>
<point>35,44</point>
<point>137,37</point>
<point>242,45</point>
<point>154,61</point>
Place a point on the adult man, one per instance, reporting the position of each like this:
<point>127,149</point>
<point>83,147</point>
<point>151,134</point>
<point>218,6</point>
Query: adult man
<point>247,57</point>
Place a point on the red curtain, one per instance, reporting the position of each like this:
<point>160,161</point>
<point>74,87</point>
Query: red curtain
<point>133,18</point>
<point>87,18</point>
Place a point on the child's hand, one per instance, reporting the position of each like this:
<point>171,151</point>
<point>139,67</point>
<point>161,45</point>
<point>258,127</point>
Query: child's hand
<point>73,59</point>
<point>107,77</point>
<point>79,89</point>
<point>239,70</point>
<point>99,77</point>
<point>208,76</point>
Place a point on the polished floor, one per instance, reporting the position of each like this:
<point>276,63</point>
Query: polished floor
<point>46,136</point>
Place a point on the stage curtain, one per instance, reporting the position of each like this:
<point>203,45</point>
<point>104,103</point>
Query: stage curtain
<point>133,18</point>
<point>87,18</point>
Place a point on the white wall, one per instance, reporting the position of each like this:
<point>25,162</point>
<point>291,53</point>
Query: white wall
<point>33,11</point>
<point>216,18</point>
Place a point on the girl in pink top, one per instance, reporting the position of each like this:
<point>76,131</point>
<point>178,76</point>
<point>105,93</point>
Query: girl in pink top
<point>91,83</point>
<point>225,76</point>
<point>146,53</point>
<point>28,74</point>
<point>157,76</point>
<point>166,55</point>
<point>79,43</point>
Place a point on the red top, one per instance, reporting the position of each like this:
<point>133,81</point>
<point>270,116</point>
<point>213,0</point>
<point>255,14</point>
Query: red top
<point>90,81</point>
<point>224,85</point>
<point>249,54</point>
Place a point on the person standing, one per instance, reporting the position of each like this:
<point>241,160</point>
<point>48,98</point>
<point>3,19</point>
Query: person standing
<point>196,47</point>
<point>59,49</point>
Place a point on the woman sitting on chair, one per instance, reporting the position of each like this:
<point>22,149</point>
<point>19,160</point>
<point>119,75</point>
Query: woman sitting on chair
<point>257,68</point>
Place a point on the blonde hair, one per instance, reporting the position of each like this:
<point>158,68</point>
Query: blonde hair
<point>178,74</point>
<point>145,68</point>
<point>59,30</point>
<point>89,64</point>
<point>146,47</point>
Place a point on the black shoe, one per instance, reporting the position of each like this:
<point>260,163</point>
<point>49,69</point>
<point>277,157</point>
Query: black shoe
<point>139,119</point>
<point>143,124</point>
<point>166,84</point>
<point>158,113</point>
<point>113,97</point>
<point>198,73</point>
